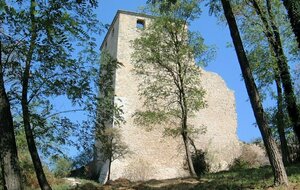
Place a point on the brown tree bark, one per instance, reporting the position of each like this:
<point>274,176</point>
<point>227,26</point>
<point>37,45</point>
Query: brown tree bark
<point>8,148</point>
<point>184,129</point>
<point>44,185</point>
<point>188,155</point>
<point>280,177</point>
<point>185,135</point>
<point>280,123</point>
<point>293,9</point>
<point>273,37</point>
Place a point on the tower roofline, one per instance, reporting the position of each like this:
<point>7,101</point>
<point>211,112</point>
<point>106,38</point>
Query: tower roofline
<point>115,18</point>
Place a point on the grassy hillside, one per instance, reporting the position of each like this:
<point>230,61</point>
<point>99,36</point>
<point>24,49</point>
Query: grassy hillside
<point>256,178</point>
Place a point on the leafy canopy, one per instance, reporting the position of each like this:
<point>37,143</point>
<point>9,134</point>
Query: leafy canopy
<point>168,57</point>
<point>60,35</point>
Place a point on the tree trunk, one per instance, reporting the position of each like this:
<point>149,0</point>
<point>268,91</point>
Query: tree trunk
<point>188,155</point>
<point>8,148</point>
<point>185,136</point>
<point>44,185</point>
<point>290,98</point>
<point>280,123</point>
<point>293,9</point>
<point>273,37</point>
<point>280,177</point>
<point>184,116</point>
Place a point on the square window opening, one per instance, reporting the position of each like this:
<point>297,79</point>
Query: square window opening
<point>140,24</point>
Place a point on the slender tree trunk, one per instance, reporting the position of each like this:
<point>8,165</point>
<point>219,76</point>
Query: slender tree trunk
<point>280,123</point>
<point>293,9</point>
<point>8,148</point>
<point>184,114</point>
<point>280,177</point>
<point>184,121</point>
<point>185,138</point>
<point>272,34</point>
<point>44,185</point>
<point>188,155</point>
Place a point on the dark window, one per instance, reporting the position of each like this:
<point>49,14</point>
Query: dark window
<point>140,24</point>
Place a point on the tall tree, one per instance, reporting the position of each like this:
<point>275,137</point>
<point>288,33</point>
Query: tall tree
<point>164,57</point>
<point>263,60</point>
<point>109,114</point>
<point>24,101</point>
<point>272,34</point>
<point>293,9</point>
<point>46,65</point>
<point>280,177</point>
<point>8,149</point>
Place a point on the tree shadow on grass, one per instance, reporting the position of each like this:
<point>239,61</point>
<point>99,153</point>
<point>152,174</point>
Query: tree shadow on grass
<point>239,179</point>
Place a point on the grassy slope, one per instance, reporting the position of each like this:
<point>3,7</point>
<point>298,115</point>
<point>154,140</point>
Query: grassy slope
<point>256,178</point>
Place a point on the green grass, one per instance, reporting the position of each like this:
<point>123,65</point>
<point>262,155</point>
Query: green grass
<point>238,179</point>
<point>255,178</point>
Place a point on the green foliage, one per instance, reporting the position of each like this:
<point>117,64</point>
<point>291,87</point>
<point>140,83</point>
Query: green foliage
<point>164,58</point>
<point>63,167</point>
<point>200,162</point>
<point>167,57</point>
<point>112,145</point>
<point>57,45</point>
<point>26,165</point>
<point>84,157</point>
<point>109,113</point>
<point>150,118</point>
<point>107,110</point>
<point>261,57</point>
<point>270,47</point>
<point>240,164</point>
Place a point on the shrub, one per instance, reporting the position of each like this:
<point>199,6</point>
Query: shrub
<point>63,167</point>
<point>200,163</point>
<point>26,166</point>
<point>252,156</point>
<point>28,172</point>
<point>239,163</point>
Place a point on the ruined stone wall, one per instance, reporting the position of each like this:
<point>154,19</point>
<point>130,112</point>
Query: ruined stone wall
<point>152,155</point>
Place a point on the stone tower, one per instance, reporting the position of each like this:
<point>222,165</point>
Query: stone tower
<point>153,156</point>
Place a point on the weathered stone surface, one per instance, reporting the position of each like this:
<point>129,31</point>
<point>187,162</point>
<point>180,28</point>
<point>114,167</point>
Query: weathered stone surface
<point>152,155</point>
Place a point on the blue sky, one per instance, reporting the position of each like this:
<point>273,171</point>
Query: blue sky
<point>225,64</point>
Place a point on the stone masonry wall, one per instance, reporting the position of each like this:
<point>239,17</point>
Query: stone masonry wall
<point>153,156</point>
